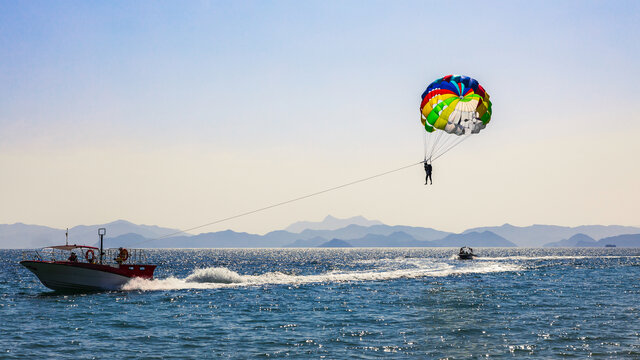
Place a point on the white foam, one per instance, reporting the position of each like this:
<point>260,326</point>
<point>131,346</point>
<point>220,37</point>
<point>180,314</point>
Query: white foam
<point>216,277</point>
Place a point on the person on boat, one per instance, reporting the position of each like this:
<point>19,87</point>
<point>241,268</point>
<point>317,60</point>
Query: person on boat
<point>119,259</point>
<point>123,255</point>
<point>428,168</point>
<point>73,257</point>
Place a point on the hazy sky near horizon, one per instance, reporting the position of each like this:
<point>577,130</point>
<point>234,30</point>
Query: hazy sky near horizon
<point>182,113</point>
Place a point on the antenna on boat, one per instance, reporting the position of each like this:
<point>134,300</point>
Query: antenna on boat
<point>66,234</point>
<point>101,233</point>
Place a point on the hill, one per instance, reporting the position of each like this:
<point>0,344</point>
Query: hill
<point>316,241</point>
<point>396,239</point>
<point>627,240</point>
<point>581,240</point>
<point>538,235</point>
<point>401,239</point>
<point>573,241</point>
<point>20,236</point>
<point>335,243</point>
<point>330,223</point>
<point>474,239</point>
<point>354,231</point>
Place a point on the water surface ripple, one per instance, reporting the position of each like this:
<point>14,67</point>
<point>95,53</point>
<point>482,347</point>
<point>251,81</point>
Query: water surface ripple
<point>337,303</point>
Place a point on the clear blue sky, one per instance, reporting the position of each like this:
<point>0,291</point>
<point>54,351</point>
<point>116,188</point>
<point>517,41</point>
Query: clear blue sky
<point>181,113</point>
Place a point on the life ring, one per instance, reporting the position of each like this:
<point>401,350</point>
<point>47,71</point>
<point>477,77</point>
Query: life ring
<point>91,258</point>
<point>124,254</point>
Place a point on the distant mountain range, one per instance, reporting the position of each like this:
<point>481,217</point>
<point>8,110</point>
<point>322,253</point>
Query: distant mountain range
<point>538,235</point>
<point>335,243</point>
<point>582,240</point>
<point>330,223</point>
<point>402,239</point>
<point>331,232</point>
<point>577,240</point>
<point>22,236</point>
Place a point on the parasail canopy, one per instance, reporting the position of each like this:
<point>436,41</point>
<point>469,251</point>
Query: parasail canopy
<point>453,104</point>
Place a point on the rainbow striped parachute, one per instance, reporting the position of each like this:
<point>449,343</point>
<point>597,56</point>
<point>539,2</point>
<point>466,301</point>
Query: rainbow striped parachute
<point>457,105</point>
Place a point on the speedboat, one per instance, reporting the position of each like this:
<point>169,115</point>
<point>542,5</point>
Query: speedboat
<point>466,253</point>
<point>60,268</point>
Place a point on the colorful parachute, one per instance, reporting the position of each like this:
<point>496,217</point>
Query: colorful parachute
<point>456,105</point>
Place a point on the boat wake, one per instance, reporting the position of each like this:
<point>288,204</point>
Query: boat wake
<point>387,269</point>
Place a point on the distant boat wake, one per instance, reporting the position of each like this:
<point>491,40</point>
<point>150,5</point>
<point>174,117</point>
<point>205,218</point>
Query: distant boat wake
<point>387,269</point>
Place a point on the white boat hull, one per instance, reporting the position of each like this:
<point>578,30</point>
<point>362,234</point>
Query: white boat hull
<point>65,277</point>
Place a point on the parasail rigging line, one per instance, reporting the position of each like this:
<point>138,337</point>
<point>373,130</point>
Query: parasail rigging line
<point>444,145</point>
<point>435,143</point>
<point>454,145</point>
<point>283,202</point>
<point>425,144</point>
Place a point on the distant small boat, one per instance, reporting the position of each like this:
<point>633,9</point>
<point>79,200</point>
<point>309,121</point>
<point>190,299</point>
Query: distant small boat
<point>610,245</point>
<point>466,253</point>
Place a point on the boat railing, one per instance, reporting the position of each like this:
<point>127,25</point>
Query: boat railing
<point>136,256</point>
<point>110,256</point>
<point>31,255</point>
<point>48,254</point>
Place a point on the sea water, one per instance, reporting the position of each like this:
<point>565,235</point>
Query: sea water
<point>337,304</point>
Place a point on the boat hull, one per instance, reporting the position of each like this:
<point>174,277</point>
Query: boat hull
<point>68,276</point>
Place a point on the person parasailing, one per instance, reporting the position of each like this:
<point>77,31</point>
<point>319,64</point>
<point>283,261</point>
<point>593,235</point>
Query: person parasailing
<point>452,108</point>
<point>428,169</point>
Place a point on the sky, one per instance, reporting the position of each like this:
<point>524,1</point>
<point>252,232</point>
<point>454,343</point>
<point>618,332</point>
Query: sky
<point>179,114</point>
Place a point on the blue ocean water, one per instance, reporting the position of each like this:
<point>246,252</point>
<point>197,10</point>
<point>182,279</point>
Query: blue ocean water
<point>337,304</point>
